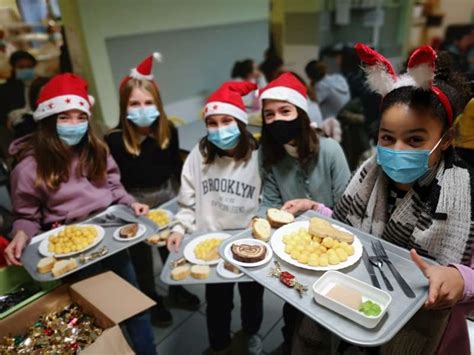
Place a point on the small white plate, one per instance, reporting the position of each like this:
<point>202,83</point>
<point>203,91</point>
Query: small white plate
<point>226,274</point>
<point>140,231</point>
<point>279,247</point>
<point>43,247</point>
<point>268,256</point>
<point>189,249</point>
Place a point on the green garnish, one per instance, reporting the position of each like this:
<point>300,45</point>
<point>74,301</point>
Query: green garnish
<point>370,309</point>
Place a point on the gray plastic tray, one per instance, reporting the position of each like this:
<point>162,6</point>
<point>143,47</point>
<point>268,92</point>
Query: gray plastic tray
<point>213,278</point>
<point>399,313</point>
<point>31,255</point>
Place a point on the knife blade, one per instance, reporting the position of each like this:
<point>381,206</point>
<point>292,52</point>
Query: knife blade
<point>370,269</point>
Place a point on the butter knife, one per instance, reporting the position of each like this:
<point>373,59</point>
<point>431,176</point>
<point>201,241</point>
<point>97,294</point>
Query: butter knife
<point>370,269</point>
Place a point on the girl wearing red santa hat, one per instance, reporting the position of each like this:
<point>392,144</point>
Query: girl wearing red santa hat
<point>220,189</point>
<point>296,161</point>
<point>64,173</point>
<point>146,148</point>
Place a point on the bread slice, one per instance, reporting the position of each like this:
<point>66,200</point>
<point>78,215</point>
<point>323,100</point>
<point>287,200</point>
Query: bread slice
<point>180,273</point>
<point>278,218</point>
<point>321,228</point>
<point>160,237</point>
<point>45,265</point>
<point>200,272</point>
<point>63,266</point>
<point>261,229</point>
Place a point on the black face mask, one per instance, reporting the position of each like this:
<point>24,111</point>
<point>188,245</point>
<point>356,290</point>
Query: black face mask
<point>284,131</point>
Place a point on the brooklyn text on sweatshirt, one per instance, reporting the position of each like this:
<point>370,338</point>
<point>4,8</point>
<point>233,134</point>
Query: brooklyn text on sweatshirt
<point>229,186</point>
<point>218,196</point>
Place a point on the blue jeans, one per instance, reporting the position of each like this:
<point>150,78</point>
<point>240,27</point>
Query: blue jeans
<point>139,326</point>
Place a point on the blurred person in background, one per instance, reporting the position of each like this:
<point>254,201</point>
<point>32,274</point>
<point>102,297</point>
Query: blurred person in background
<point>14,94</point>
<point>247,70</point>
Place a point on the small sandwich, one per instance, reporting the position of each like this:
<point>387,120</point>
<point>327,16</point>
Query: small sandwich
<point>45,265</point>
<point>63,266</point>
<point>261,229</point>
<point>278,218</point>
<point>229,267</point>
<point>200,272</point>
<point>159,237</point>
<point>180,273</point>
<point>321,228</point>
<point>129,231</point>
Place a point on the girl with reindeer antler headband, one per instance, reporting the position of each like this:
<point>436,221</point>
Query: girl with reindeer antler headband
<point>417,194</point>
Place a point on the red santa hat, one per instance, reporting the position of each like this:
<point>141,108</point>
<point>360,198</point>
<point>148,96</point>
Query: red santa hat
<point>227,100</point>
<point>62,93</point>
<point>144,70</point>
<point>286,88</point>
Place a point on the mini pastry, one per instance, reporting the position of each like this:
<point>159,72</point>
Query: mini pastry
<point>129,231</point>
<point>63,266</point>
<point>178,262</point>
<point>278,218</point>
<point>229,267</point>
<point>181,272</point>
<point>45,265</point>
<point>321,228</point>
<point>248,253</point>
<point>200,272</point>
<point>261,229</point>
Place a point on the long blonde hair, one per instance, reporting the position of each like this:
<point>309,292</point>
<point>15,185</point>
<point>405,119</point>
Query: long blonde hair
<point>160,129</point>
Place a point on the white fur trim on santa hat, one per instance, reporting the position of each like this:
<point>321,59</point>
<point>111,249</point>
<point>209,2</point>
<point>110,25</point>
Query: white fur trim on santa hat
<point>223,108</point>
<point>286,94</point>
<point>61,104</point>
<point>136,75</point>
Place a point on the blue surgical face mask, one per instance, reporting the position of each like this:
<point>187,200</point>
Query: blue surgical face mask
<point>71,134</point>
<point>25,74</point>
<point>404,166</point>
<point>143,116</point>
<point>224,138</point>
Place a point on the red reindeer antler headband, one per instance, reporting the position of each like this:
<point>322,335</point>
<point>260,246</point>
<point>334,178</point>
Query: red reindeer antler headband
<point>382,79</point>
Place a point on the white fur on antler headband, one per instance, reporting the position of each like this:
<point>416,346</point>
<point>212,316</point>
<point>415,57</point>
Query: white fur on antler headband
<point>381,77</point>
<point>379,80</point>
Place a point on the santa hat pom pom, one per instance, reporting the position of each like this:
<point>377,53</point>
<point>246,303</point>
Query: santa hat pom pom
<point>158,57</point>
<point>91,100</point>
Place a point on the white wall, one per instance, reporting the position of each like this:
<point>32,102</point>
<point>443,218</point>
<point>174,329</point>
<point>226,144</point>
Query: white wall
<point>101,19</point>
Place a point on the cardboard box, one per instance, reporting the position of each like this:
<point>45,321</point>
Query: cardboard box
<point>107,297</point>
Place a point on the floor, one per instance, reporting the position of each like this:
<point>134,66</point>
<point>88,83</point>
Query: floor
<point>188,335</point>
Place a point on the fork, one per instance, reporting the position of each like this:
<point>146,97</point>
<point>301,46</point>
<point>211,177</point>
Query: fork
<point>378,262</point>
<point>401,281</point>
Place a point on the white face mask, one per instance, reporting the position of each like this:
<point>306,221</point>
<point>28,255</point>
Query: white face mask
<point>291,150</point>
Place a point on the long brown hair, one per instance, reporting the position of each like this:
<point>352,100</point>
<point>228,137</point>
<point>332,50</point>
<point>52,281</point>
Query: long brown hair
<point>243,151</point>
<point>307,143</point>
<point>160,129</point>
<point>53,157</point>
